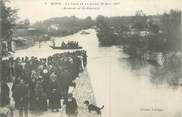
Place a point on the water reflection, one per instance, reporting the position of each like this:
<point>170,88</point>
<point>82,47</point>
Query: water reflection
<point>168,73</point>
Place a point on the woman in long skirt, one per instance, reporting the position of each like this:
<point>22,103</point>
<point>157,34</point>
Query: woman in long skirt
<point>54,98</point>
<point>71,106</point>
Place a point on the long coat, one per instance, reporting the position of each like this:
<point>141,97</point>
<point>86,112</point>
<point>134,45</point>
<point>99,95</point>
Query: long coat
<point>54,97</point>
<point>4,96</point>
<point>40,96</point>
<point>20,95</point>
<point>71,106</point>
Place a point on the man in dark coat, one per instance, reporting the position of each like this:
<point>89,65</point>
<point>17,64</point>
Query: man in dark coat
<point>54,98</point>
<point>40,95</point>
<point>20,96</point>
<point>18,69</point>
<point>66,79</point>
<point>32,94</point>
<point>4,96</point>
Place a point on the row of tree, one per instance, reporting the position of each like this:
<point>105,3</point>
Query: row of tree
<point>161,32</point>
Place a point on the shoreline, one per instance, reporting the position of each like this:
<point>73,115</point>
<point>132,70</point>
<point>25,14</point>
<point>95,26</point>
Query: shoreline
<point>33,42</point>
<point>84,90</point>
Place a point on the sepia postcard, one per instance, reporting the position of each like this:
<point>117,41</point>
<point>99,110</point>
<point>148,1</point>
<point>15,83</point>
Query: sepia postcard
<point>90,58</point>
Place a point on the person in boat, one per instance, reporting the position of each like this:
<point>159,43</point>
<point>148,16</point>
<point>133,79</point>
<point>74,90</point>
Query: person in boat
<point>63,44</point>
<point>53,43</point>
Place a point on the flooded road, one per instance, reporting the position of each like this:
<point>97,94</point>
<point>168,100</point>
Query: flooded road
<point>123,92</point>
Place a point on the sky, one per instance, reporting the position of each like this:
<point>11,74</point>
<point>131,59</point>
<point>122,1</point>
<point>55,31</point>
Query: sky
<point>37,10</point>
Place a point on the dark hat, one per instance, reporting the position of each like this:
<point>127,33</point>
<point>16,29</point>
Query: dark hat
<point>86,102</point>
<point>70,95</point>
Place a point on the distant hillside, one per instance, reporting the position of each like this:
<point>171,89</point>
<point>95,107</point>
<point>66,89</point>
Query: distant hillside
<point>61,26</point>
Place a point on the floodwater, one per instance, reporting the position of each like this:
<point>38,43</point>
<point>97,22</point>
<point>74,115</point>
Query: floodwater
<point>124,92</point>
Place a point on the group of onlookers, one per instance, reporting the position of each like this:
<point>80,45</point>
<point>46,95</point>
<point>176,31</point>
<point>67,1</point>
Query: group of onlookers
<point>40,84</point>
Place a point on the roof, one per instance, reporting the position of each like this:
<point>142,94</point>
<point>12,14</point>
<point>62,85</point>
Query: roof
<point>19,39</point>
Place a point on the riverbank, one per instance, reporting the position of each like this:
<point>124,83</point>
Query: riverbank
<point>32,42</point>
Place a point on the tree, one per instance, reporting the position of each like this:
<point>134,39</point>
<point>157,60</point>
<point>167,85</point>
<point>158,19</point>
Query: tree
<point>153,27</point>
<point>8,17</point>
<point>140,20</point>
<point>7,24</point>
<point>27,22</point>
<point>172,28</point>
<point>104,34</point>
<point>88,22</point>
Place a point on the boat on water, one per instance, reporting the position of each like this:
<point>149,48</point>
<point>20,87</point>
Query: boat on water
<point>84,33</point>
<point>68,45</point>
<point>59,47</point>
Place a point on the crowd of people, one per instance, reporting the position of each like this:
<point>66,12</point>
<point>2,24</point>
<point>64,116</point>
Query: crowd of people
<point>40,84</point>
